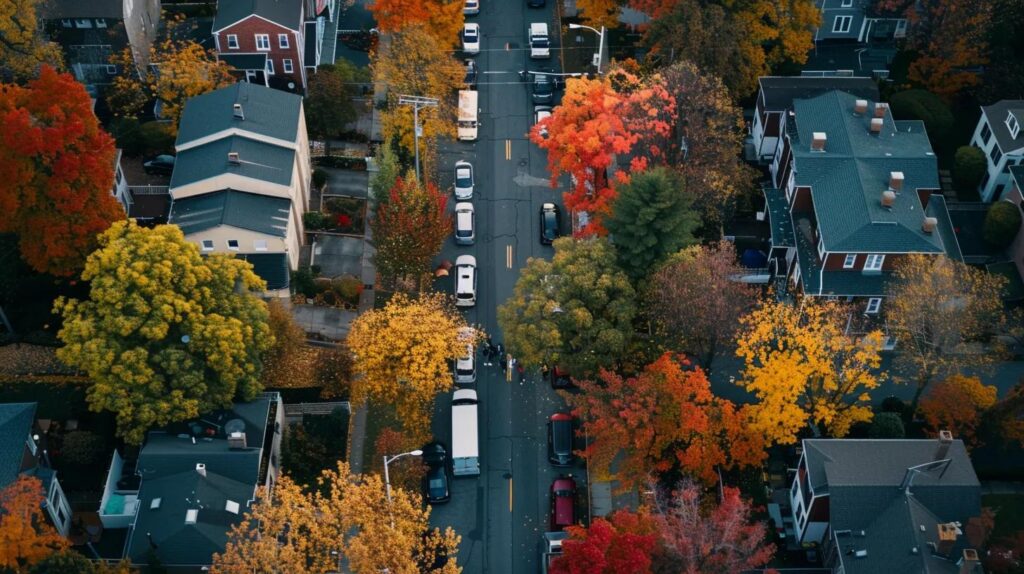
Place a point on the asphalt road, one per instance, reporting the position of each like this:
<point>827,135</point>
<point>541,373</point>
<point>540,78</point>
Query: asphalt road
<point>502,513</point>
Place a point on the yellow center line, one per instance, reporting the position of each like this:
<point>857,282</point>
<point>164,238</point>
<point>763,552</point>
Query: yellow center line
<point>508,256</point>
<point>510,494</point>
<point>508,149</point>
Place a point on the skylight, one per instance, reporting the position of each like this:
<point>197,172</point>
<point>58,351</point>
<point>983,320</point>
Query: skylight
<point>191,515</point>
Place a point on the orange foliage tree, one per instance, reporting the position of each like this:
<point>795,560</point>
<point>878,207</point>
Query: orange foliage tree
<point>57,168</point>
<point>598,119</point>
<point>665,418</point>
<point>956,404</point>
<point>443,18</point>
<point>620,545</point>
<point>25,535</point>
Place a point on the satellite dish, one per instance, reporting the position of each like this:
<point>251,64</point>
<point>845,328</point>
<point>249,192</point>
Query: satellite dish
<point>291,85</point>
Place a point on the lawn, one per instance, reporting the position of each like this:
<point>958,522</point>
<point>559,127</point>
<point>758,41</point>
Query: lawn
<point>1009,513</point>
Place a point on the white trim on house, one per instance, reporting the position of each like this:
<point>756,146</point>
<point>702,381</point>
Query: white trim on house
<point>874,262</point>
<point>841,24</point>
<point>874,304</point>
<point>278,24</point>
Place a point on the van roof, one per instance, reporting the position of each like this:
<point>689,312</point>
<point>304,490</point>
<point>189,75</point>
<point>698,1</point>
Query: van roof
<point>539,28</point>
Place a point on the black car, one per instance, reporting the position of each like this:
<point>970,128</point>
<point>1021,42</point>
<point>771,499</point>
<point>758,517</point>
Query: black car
<point>560,429</point>
<point>471,73</point>
<point>437,482</point>
<point>543,89</point>
<point>159,165</point>
<point>550,223</point>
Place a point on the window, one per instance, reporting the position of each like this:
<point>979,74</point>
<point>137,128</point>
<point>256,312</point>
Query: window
<point>287,65</point>
<point>986,133</point>
<point>270,66</point>
<point>1011,123</point>
<point>207,245</point>
<point>821,249</point>
<point>263,42</point>
<point>65,23</point>
<point>83,23</point>
<point>851,259</point>
<point>874,262</point>
<point>191,515</point>
<point>259,244</point>
<point>874,304</point>
<point>232,41</point>
<point>847,3</point>
<point>901,28</point>
<point>996,154</point>
<point>111,70</point>
<point>841,24</point>
<point>282,41</point>
<point>101,23</point>
<point>233,244</point>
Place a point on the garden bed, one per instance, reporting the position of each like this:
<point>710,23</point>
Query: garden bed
<point>341,162</point>
<point>338,214</point>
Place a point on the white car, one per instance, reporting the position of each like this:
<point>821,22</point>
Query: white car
<point>471,7</point>
<point>463,180</point>
<point>465,281</point>
<point>471,39</point>
<point>465,367</point>
<point>541,113</point>
<point>465,223</point>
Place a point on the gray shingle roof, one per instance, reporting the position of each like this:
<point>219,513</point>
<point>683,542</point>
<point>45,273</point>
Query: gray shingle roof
<point>271,267</point>
<point>780,91</point>
<point>257,160</point>
<point>287,13</point>
<point>245,61</point>
<point>996,114</point>
<point>255,212</point>
<point>268,112</point>
<point>777,207</point>
<point>15,427</point>
<point>848,178</point>
<point>60,9</point>
<point>865,462</point>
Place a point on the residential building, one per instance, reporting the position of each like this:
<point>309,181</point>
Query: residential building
<point>192,482</point>
<point>1016,195</point>
<point>887,505</point>
<point>23,452</point>
<point>1000,136</point>
<point>856,21</point>
<point>90,32</point>
<point>120,189</point>
<point>276,43</point>
<point>853,192</point>
<point>241,177</point>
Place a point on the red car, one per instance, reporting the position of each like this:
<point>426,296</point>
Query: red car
<point>563,503</point>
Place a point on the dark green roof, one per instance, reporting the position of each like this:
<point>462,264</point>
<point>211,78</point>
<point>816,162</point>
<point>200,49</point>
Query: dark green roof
<point>267,112</point>
<point>245,61</point>
<point>271,267</point>
<point>781,224</point>
<point>252,211</point>
<point>257,160</point>
<point>848,178</point>
<point>283,12</point>
<point>15,427</point>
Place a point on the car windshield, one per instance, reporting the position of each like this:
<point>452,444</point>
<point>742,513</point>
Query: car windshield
<point>470,35</point>
<point>561,436</point>
<point>549,224</point>
<point>437,486</point>
<point>563,493</point>
<point>463,178</point>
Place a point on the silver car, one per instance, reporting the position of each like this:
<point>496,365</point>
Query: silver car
<point>465,223</point>
<point>463,180</point>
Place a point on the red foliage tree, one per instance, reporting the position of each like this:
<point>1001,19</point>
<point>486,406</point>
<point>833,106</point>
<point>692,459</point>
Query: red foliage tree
<point>666,417</point>
<point>700,537</point>
<point>621,545</point>
<point>410,227</point>
<point>57,169</point>
<point>597,120</point>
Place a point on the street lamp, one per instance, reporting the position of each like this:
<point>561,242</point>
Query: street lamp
<point>417,102</point>
<point>600,45</point>
<point>387,461</point>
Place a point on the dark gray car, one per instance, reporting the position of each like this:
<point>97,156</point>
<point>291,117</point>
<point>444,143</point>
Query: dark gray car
<point>543,89</point>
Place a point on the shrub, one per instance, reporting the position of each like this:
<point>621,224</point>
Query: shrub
<point>894,405</point>
<point>1002,222</point>
<point>128,135</point>
<point>969,167</point>
<point>314,220</point>
<point>319,178</point>
<point>925,106</point>
<point>887,425</point>
<point>156,138</point>
<point>304,282</point>
<point>82,447</point>
<point>348,289</point>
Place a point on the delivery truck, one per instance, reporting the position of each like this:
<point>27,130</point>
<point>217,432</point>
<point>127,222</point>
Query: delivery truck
<point>467,115</point>
<point>465,442</point>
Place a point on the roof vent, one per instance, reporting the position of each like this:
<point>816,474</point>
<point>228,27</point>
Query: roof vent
<point>236,441</point>
<point>929,224</point>
<point>818,143</point>
<point>896,180</point>
<point>945,436</point>
<point>876,125</point>
<point>191,515</point>
<point>880,109</point>
<point>232,507</point>
<point>239,114</point>
<point>861,554</point>
<point>233,157</point>
<point>201,469</point>
<point>860,107</point>
<point>888,198</point>
<point>155,503</point>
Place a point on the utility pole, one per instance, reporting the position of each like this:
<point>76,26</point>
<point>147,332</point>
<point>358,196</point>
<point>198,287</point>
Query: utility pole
<point>417,102</point>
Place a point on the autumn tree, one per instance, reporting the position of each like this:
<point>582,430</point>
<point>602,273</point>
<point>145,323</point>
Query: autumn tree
<point>329,103</point>
<point>575,310</point>
<point>663,419</point>
<point>624,542</point>
<point>402,352</point>
<point>26,537</point>
<point>699,536</point>
<point>443,19</point>
<point>57,165</point>
<point>409,229</point>
<point>804,370</point>
<point>287,359</point>
<point>650,219</point>
<point>597,13</point>
<point>597,120</point>
<point>183,69</point>
<point>956,404</point>
<point>165,334</point>
<point>937,308</point>
<point>23,49</point>
<point>1007,415</point>
<point>696,301</point>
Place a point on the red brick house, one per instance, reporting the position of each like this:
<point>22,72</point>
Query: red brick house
<point>277,43</point>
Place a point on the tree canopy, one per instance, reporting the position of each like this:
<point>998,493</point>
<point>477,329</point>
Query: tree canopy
<point>409,228</point>
<point>165,334</point>
<point>26,536</point>
<point>23,49</point>
<point>622,543</point>
<point>956,404</point>
<point>329,104</point>
<point>443,19</point>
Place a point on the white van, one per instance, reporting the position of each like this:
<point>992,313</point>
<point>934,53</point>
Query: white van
<point>465,281</point>
<point>465,441</point>
<point>540,44</point>
<point>467,115</point>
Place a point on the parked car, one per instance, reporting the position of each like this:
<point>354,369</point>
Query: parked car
<point>550,223</point>
<point>159,165</point>
<point>563,502</point>
<point>471,38</point>
<point>560,378</point>
<point>463,180</point>
<point>560,432</point>
<point>436,483</point>
<point>471,7</point>
<point>465,281</point>
<point>541,113</point>
<point>465,366</point>
<point>471,74</point>
<point>543,89</point>
<point>465,223</point>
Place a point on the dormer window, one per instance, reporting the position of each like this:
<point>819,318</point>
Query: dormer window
<point>1013,125</point>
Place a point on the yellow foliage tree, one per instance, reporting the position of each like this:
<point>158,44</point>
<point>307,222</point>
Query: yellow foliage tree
<point>403,352</point>
<point>804,370</point>
<point>25,535</point>
<point>599,13</point>
<point>22,47</point>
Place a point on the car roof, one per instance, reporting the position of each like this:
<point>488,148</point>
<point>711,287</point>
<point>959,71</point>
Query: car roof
<point>466,260</point>
<point>464,394</point>
<point>464,206</point>
<point>472,26</point>
<point>562,483</point>
<point>561,417</point>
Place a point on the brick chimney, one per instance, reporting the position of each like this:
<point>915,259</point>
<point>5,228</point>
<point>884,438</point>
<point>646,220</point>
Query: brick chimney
<point>945,437</point>
<point>880,109</point>
<point>948,533</point>
<point>818,143</point>
<point>860,107</point>
<point>969,561</point>
<point>876,125</point>
<point>896,180</point>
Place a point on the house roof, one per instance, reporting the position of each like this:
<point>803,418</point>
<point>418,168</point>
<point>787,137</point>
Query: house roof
<point>996,114</point>
<point>15,427</point>
<point>866,462</point>
<point>848,178</point>
<point>287,13</point>
<point>245,61</point>
<point>861,59</point>
<point>257,160</point>
<point>252,211</point>
<point>60,9</point>
<point>780,91</point>
<point>267,112</point>
<point>271,267</point>
<point>167,465</point>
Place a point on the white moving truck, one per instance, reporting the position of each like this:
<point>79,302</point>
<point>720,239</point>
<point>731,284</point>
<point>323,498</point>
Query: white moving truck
<point>465,442</point>
<point>467,115</point>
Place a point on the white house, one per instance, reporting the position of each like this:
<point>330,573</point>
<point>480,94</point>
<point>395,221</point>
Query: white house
<point>1000,136</point>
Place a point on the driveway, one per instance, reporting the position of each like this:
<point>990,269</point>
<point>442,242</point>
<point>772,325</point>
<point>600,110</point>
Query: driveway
<point>346,182</point>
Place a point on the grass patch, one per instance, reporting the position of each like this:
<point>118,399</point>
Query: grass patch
<point>378,417</point>
<point>1009,510</point>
